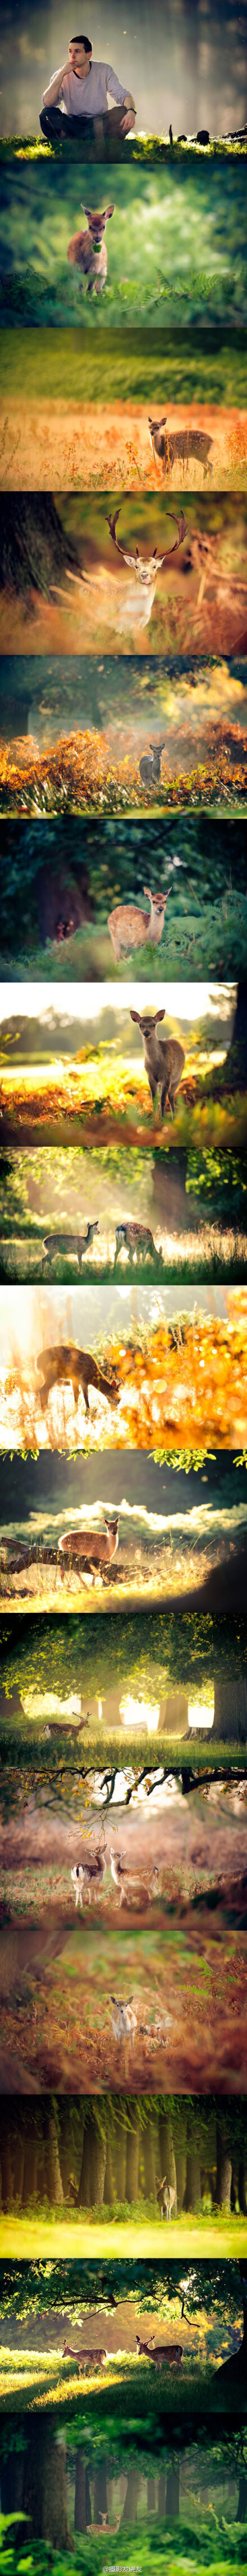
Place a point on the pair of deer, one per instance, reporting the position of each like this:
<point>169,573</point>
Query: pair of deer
<point>87,251</point>
<point>90,1874</point>
<point>135,1238</point>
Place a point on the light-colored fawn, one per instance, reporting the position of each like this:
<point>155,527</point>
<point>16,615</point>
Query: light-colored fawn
<point>88,252</point>
<point>91,1547</point>
<point>165,2196</point>
<point>163,1059</point>
<point>131,928</point>
<point>74,1244</point>
<point>180,443</point>
<point>85,2355</point>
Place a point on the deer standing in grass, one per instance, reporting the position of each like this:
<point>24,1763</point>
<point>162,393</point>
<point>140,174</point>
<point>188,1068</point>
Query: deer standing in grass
<point>87,1875</point>
<point>178,443</point>
<point>128,1880</point>
<point>88,1547</point>
<point>135,607</point>
<point>85,2355</point>
<point>124,2020</point>
<point>88,252</point>
<point>135,1238</point>
<point>74,1244</point>
<point>63,1363</point>
<point>130,928</point>
<point>163,1059</point>
<point>165,2196</point>
<point>150,769</point>
<point>170,2353</point>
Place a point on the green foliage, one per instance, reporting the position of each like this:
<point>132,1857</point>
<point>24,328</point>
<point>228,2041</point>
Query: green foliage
<point>198,367</point>
<point>155,265</point>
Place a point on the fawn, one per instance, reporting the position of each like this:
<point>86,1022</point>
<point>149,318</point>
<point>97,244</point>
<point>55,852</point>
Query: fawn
<point>74,1244</point>
<point>63,1363</point>
<point>166,2197</point>
<point>85,2355</point>
<point>85,1873</point>
<point>159,2352</point>
<point>94,1547</point>
<point>180,443</point>
<point>130,928</point>
<point>136,1238</point>
<point>88,252</point>
<point>124,2020</point>
<point>150,769</point>
<point>128,1880</point>
<point>163,1059</point>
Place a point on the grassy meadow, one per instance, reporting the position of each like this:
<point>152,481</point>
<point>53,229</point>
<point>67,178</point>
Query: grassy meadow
<point>155,269</point>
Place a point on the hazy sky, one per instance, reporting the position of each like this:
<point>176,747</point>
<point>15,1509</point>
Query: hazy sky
<point>87,1001</point>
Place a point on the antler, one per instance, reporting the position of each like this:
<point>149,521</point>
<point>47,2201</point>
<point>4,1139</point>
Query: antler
<point>180,524</point>
<point>111,524</point>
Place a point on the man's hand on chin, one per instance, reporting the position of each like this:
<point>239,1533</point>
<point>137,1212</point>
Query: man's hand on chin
<point>127,121</point>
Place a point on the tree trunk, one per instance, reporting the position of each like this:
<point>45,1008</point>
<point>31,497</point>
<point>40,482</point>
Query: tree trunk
<point>132,2161</point>
<point>151,2495</point>
<point>54,2185</point>
<point>180,2151</point>
<point>92,2176</point>
<point>172,2491</point>
<point>6,2172</point>
<point>109,2187</point>
<point>100,2492</point>
<point>29,2186</point>
<point>241,2515</point>
<point>150,2160</point>
<point>162,2495</point>
<point>230,1710</point>
<point>236,1061</point>
<point>224,2170</point>
<point>175,1716</point>
<point>120,2151</point>
<point>45,2497</point>
<point>132,2494</point>
<point>81,2516</point>
<point>12,2476</point>
<point>242,2186</point>
<point>166,2150</point>
<point>33,548</point>
<point>193,2179</point>
<point>169,1202</point>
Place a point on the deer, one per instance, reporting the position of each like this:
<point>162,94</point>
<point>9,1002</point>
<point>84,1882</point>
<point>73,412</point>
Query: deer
<point>129,1880</point>
<point>86,1875</point>
<point>124,2020</point>
<point>164,1060</point>
<point>63,1363</point>
<point>150,769</point>
<point>74,1244</point>
<point>87,251</point>
<point>180,443</point>
<point>91,1547</point>
<point>130,928</point>
<point>161,2352</point>
<point>135,1238</point>
<point>85,2355</point>
<point>165,2196</point>
<point>138,602</point>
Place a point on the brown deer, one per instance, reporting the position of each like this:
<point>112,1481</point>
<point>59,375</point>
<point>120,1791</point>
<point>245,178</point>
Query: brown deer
<point>84,2355</point>
<point>179,443</point>
<point>130,928</point>
<point>138,600</point>
<point>136,1239</point>
<point>91,1547</point>
<point>165,2196</point>
<point>128,1880</point>
<point>74,1244</point>
<point>63,1363</point>
<point>150,768</point>
<point>88,252</point>
<point>171,2353</point>
<point>124,2020</point>
<point>163,1059</point>
<point>88,1874</point>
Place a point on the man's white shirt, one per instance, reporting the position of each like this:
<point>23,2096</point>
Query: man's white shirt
<point>88,97</point>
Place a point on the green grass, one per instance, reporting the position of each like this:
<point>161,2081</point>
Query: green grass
<point>210,366</point>
<point>152,2546</point>
<point>41,2235</point>
<point>154,243</point>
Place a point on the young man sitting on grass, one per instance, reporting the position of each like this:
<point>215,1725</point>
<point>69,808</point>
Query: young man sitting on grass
<point>81,90</point>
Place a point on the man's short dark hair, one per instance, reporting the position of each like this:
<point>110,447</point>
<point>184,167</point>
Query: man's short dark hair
<point>82,40</point>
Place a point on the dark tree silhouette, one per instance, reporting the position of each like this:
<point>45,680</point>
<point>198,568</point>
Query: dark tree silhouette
<point>34,549</point>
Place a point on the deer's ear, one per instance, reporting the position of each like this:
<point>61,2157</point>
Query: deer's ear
<point>86,210</point>
<point>135,1015</point>
<point>109,211</point>
<point>159,1015</point>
